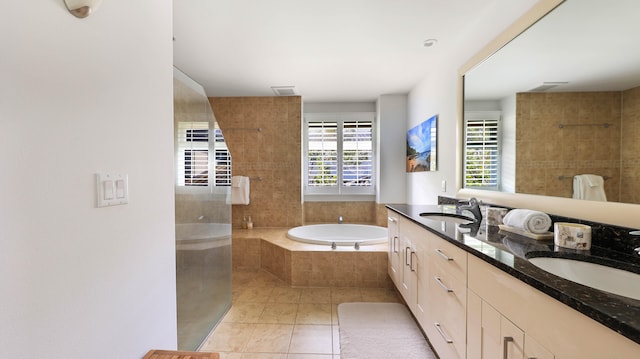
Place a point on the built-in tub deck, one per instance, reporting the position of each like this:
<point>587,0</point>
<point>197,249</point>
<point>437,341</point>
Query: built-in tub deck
<point>310,265</point>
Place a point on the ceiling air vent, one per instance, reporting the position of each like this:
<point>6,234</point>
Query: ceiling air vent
<point>547,86</point>
<point>284,90</point>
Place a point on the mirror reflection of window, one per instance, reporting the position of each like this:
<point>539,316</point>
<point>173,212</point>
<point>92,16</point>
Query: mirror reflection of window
<point>194,161</point>
<point>482,150</point>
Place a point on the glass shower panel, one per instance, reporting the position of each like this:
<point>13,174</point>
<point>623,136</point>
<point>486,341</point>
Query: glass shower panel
<point>203,215</point>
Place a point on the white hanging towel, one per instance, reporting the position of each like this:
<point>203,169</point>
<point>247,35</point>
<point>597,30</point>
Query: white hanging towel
<point>589,187</point>
<point>240,187</point>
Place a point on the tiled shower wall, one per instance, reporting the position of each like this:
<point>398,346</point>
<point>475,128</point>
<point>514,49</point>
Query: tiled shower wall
<point>274,155</point>
<point>545,151</point>
<point>270,157</point>
<point>630,147</point>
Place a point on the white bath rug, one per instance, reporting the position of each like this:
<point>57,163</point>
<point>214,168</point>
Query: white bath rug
<point>380,331</point>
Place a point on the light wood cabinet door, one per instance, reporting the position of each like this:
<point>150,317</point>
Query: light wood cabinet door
<point>490,335</point>
<point>421,270</point>
<point>474,326</point>
<point>512,340</point>
<point>533,349</point>
<point>395,256</point>
<point>407,240</point>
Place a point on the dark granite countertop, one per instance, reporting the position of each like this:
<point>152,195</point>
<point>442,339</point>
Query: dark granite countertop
<point>509,252</point>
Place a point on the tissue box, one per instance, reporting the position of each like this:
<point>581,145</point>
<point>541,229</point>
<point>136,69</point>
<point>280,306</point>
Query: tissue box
<point>572,235</point>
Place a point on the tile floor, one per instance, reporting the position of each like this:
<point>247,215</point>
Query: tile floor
<point>272,320</point>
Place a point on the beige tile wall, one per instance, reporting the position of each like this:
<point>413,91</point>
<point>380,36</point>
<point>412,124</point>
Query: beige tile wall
<point>272,154</point>
<point>545,151</point>
<point>340,269</point>
<point>275,156</point>
<point>313,268</point>
<point>630,146</point>
<point>351,212</point>
<point>276,260</point>
<point>246,253</point>
<point>196,207</point>
<point>308,265</point>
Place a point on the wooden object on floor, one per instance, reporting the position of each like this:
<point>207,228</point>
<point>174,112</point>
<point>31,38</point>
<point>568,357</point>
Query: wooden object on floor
<point>171,354</point>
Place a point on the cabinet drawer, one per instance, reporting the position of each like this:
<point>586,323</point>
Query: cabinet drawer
<point>447,307</point>
<point>449,258</point>
<point>448,300</point>
<point>444,344</point>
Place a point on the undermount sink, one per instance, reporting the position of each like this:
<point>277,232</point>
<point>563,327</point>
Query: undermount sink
<point>608,279</point>
<point>447,217</point>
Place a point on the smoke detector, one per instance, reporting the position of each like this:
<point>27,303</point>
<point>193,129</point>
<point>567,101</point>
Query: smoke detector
<point>284,90</point>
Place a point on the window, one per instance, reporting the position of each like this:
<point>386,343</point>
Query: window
<point>339,155</point>
<point>482,150</point>
<point>222,160</point>
<point>194,162</point>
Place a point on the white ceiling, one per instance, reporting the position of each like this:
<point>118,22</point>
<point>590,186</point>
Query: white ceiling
<point>590,44</point>
<point>331,50</point>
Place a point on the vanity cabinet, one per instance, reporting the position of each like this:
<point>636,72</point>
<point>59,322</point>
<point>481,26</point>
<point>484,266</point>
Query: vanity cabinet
<point>491,335</point>
<point>550,328</point>
<point>447,297</point>
<point>408,263</point>
<point>469,308</point>
<point>414,269</point>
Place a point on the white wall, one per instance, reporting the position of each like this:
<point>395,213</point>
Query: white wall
<point>438,94</point>
<point>391,148</point>
<point>435,95</point>
<point>78,97</point>
<point>319,107</point>
<point>508,137</point>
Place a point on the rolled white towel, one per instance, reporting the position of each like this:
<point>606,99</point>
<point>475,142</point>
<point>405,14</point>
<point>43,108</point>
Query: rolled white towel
<point>528,220</point>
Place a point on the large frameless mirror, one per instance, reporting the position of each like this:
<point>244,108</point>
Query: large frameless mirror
<point>561,99</point>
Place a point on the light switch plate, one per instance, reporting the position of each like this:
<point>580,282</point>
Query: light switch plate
<point>112,189</point>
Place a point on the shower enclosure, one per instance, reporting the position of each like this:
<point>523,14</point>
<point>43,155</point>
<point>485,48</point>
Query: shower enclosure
<point>203,214</point>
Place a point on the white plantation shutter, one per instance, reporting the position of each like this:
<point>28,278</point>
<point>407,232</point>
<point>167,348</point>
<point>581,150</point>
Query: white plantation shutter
<point>194,164</point>
<point>322,155</point>
<point>222,160</point>
<point>193,153</point>
<point>339,157</point>
<point>482,150</point>
<point>357,153</point>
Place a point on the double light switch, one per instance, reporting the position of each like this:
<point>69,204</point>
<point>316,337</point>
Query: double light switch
<point>112,189</point>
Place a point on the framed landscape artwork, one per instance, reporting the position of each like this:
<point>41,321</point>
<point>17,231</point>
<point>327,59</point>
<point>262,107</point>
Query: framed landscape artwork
<point>421,146</point>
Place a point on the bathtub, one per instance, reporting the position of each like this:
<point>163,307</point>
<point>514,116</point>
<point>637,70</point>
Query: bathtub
<point>340,234</point>
<point>200,236</point>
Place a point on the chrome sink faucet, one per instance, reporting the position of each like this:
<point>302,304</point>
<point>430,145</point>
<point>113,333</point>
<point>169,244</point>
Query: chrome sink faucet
<point>340,220</point>
<point>472,206</point>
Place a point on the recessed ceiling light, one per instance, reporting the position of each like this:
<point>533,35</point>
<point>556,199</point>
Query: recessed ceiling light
<point>429,42</point>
